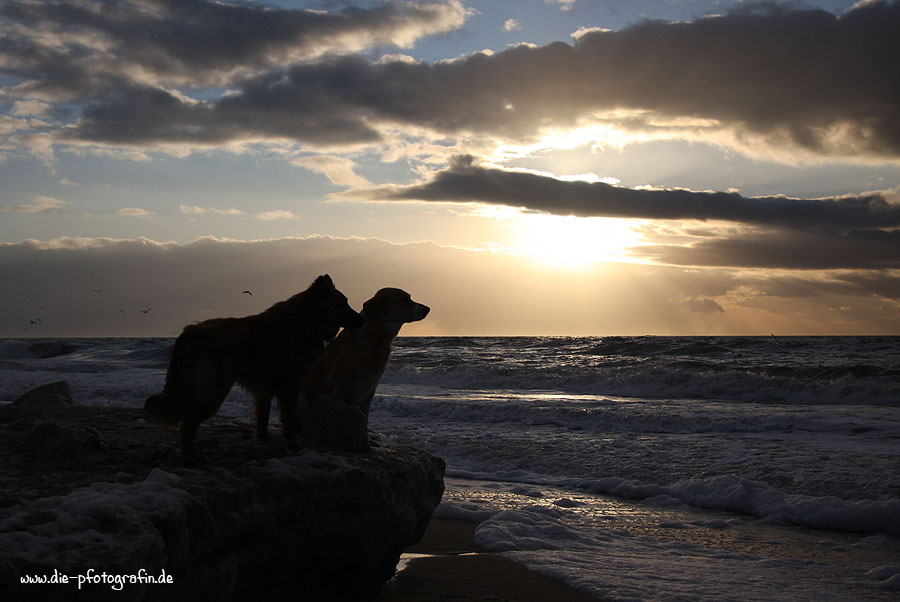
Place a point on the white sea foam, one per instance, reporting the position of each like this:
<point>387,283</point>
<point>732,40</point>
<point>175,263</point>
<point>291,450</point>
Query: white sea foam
<point>622,466</point>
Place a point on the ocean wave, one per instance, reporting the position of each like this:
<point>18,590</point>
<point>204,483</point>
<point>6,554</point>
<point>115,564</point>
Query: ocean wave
<point>598,416</point>
<point>12,349</point>
<point>876,386</point>
<point>758,499</point>
<point>803,370</point>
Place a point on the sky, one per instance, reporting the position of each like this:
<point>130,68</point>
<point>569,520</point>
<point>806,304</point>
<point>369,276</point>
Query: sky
<point>523,167</point>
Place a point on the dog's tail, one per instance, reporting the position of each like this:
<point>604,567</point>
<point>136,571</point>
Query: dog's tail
<point>169,406</point>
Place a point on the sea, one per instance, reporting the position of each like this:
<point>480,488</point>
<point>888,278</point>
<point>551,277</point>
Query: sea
<point>631,468</point>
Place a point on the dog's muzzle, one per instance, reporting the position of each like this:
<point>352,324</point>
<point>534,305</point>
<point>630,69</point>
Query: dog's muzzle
<point>421,311</point>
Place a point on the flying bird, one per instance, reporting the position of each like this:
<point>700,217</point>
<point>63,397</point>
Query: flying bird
<point>98,290</point>
<point>122,310</point>
<point>146,310</point>
<point>247,292</point>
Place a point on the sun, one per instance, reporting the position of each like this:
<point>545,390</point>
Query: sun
<point>574,243</point>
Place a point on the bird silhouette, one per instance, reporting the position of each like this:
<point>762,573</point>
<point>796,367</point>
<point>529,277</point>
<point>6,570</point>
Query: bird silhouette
<point>98,290</point>
<point>122,310</point>
<point>146,310</point>
<point>247,292</point>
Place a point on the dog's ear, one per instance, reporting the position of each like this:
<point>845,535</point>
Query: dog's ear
<point>372,307</point>
<point>323,283</point>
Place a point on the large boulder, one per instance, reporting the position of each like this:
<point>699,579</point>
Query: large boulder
<point>58,393</point>
<point>114,506</point>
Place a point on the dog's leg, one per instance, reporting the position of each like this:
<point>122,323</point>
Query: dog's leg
<point>367,402</point>
<point>287,404</point>
<point>211,386</point>
<point>303,406</point>
<point>263,406</point>
<point>189,453</point>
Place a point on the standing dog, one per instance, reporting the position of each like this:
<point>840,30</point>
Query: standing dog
<point>354,362</point>
<point>268,354</point>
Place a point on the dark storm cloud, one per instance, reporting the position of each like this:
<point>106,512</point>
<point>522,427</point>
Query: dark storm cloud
<point>69,47</point>
<point>806,250</point>
<point>136,115</point>
<point>868,283</point>
<point>804,79</point>
<point>465,181</point>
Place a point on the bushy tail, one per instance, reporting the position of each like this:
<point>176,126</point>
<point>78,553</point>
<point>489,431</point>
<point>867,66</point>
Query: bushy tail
<point>168,407</point>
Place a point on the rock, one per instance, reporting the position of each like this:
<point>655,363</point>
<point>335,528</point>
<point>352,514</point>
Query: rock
<point>58,393</point>
<point>256,521</point>
<point>333,424</point>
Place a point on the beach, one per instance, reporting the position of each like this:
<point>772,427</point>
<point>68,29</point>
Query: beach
<point>447,566</point>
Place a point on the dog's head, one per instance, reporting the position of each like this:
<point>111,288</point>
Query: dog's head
<point>334,310</point>
<point>394,307</point>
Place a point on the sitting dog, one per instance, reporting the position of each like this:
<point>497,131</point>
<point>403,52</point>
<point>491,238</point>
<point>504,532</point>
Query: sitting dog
<point>269,354</point>
<point>354,362</point>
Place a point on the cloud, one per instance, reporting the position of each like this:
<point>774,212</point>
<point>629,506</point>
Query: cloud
<point>565,5</point>
<point>41,204</point>
<point>72,49</point>
<point>806,82</point>
<point>807,250</point>
<point>581,31</point>
<point>30,107</point>
<point>269,216</point>
<point>465,181</point>
<point>195,210</point>
<point>474,292</point>
<point>338,170</point>
<point>511,25</point>
<point>265,110</point>
<point>703,306</point>
<point>134,212</point>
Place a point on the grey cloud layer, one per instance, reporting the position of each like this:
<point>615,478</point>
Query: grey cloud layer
<point>803,79</point>
<point>186,283</point>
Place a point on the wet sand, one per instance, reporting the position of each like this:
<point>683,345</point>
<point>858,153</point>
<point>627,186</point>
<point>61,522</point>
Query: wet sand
<point>452,568</point>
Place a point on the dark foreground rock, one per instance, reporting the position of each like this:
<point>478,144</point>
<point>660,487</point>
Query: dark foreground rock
<point>97,495</point>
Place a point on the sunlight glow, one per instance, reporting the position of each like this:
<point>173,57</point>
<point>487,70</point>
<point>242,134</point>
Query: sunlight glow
<point>594,136</point>
<point>574,243</point>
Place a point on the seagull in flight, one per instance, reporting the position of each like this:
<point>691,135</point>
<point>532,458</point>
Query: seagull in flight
<point>98,290</point>
<point>146,310</point>
<point>247,292</point>
<point>122,310</point>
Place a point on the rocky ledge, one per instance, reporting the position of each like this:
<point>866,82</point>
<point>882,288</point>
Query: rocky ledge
<point>95,501</point>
